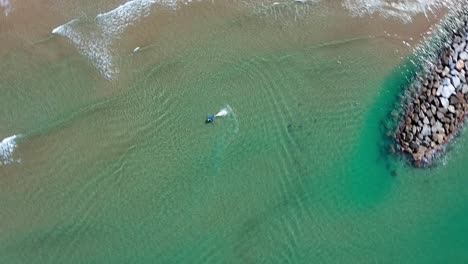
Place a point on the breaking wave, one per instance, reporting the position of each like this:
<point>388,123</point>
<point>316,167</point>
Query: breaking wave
<point>7,147</point>
<point>6,6</point>
<point>93,40</point>
<point>401,9</point>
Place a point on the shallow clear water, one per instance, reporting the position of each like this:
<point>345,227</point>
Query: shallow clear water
<point>124,169</point>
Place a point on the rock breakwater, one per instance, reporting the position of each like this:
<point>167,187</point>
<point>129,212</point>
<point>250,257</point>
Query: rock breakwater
<point>439,107</point>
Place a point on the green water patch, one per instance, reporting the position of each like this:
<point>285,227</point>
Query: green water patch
<point>371,165</point>
<point>36,94</point>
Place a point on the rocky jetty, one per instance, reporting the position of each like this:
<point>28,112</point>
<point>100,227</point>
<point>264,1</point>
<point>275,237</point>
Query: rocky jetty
<point>440,105</point>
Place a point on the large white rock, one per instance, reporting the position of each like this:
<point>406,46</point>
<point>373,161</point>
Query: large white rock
<point>451,108</point>
<point>455,81</point>
<point>445,81</point>
<point>444,102</point>
<point>465,89</point>
<point>464,56</point>
<point>426,130</point>
<point>437,127</point>
<point>460,47</point>
<point>447,90</point>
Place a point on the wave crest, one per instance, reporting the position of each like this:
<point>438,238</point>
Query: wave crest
<point>401,9</point>
<point>7,147</point>
<point>94,41</point>
<point>6,6</point>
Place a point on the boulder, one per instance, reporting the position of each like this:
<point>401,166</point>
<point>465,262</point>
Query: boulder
<point>410,136</point>
<point>463,56</point>
<point>445,81</point>
<point>460,65</point>
<point>425,121</point>
<point>426,130</point>
<point>414,146</point>
<point>455,81</point>
<point>445,60</point>
<point>460,47</point>
<point>448,90</point>
<point>444,102</point>
<point>440,139</point>
<point>451,108</point>
<point>429,114</point>
<point>451,63</point>
<point>420,137</point>
<point>462,76</point>
<point>446,71</point>
<point>446,120</point>
<point>465,89</point>
<point>437,127</point>
<point>422,115</point>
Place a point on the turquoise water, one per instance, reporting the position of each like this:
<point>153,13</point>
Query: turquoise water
<point>126,170</point>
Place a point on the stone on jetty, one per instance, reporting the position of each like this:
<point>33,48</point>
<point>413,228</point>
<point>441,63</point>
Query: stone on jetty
<point>464,56</point>
<point>460,65</point>
<point>447,90</point>
<point>440,105</point>
<point>465,89</point>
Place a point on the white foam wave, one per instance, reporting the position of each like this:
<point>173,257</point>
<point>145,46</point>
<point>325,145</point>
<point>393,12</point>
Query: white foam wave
<point>94,41</point>
<point>7,147</point>
<point>6,6</point>
<point>401,9</point>
<point>95,46</point>
<point>222,112</point>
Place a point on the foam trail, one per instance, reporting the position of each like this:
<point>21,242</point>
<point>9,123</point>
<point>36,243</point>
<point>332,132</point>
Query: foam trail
<point>94,41</point>
<point>7,147</point>
<point>6,6</point>
<point>224,111</point>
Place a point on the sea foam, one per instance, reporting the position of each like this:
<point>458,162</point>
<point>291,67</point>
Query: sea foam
<point>7,147</point>
<point>94,41</point>
<point>404,10</point>
<point>6,6</point>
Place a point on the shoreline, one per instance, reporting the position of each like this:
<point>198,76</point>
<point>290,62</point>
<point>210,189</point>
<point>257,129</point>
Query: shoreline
<point>436,112</point>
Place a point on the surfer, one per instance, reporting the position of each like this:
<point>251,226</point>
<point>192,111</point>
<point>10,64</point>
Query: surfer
<point>210,119</point>
<point>221,113</point>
